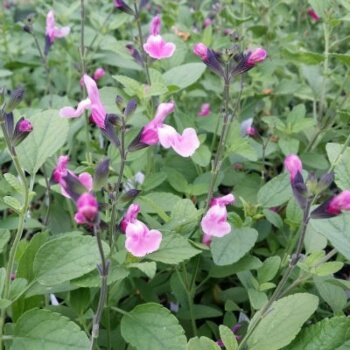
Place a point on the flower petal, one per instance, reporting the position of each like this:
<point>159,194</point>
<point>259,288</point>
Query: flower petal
<point>214,222</point>
<point>157,48</point>
<point>70,112</point>
<point>185,145</point>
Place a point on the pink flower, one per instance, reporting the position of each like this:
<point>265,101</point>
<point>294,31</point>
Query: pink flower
<point>99,73</point>
<point>139,239</point>
<point>157,48</point>
<point>205,110</point>
<point>258,55</point>
<point>155,25</point>
<point>293,165</point>
<point>87,209</point>
<point>155,131</point>
<point>214,223</point>
<point>200,50</point>
<point>61,171</point>
<point>339,203</point>
<point>52,31</point>
<point>25,126</point>
<point>313,14</point>
<point>207,22</point>
<point>93,102</point>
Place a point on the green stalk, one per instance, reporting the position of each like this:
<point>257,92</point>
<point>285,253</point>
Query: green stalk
<point>20,227</point>
<point>278,291</point>
<point>103,270</point>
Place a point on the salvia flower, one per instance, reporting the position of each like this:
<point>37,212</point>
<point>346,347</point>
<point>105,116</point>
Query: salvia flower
<point>293,165</point>
<point>200,50</point>
<point>256,56</point>
<point>339,203</point>
<point>93,102</point>
<point>155,131</point>
<point>87,209</point>
<point>313,14</point>
<point>205,110</point>
<point>157,48</point>
<point>99,73</point>
<point>139,239</point>
<point>22,129</point>
<point>60,173</point>
<point>52,31</point>
<point>214,222</point>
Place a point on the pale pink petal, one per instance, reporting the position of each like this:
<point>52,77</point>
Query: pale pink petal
<point>60,169</point>
<point>150,131</point>
<point>130,216</point>
<point>140,240</point>
<point>79,218</point>
<point>70,112</point>
<point>86,180</point>
<point>61,32</point>
<point>157,48</point>
<point>205,110</point>
<point>293,165</point>
<point>214,222</point>
<point>98,112</point>
<point>99,73</point>
<point>185,145</point>
<point>50,25</point>
<point>225,200</point>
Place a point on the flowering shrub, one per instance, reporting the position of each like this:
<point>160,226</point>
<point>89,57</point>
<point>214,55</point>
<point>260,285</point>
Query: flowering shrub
<point>174,175</point>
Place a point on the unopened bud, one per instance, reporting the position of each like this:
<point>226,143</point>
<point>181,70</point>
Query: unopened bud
<point>130,195</point>
<point>22,130</point>
<point>119,100</point>
<point>325,182</point>
<point>101,174</point>
<point>123,7</point>
<point>130,108</point>
<point>15,100</point>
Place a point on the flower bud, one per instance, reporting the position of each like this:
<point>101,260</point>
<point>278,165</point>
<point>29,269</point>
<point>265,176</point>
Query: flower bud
<point>130,108</point>
<point>110,132</point>
<point>129,195</point>
<point>325,182</point>
<point>123,7</point>
<point>200,50</point>
<point>101,174</point>
<point>15,100</point>
<point>293,165</point>
<point>22,130</point>
<point>99,73</point>
<point>257,56</point>
<point>119,100</point>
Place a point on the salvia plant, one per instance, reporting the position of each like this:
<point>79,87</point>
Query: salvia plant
<point>174,175</point>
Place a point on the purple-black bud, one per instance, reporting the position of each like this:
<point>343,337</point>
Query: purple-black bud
<point>15,99</point>
<point>101,174</point>
<point>130,108</point>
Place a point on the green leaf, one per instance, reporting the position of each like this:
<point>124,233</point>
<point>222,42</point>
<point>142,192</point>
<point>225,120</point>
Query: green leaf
<point>228,338</point>
<point>131,86</point>
<point>328,268</point>
<point>2,279</point>
<point>341,57</point>
<point>173,250</point>
<point>152,327</point>
<point>273,217</point>
<point>13,203</point>
<point>44,329</point>
<point>332,294</point>
<point>184,217</point>
<point>281,325</point>
<point>232,247</point>
<point>202,156</point>
<point>328,334</point>
<point>199,312</point>
<point>5,303</point>
<point>13,181</point>
<point>5,236</point>
<point>342,164</point>
<point>148,268</point>
<point>176,180</point>
<point>184,75</point>
<point>337,230</point>
<point>257,298</point>
<point>269,269</point>
<point>153,181</point>
<point>276,192</point>
<point>202,343</point>
<point>48,136</point>
<point>66,258</point>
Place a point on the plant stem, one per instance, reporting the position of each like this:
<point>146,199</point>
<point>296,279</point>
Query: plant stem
<point>217,160</point>
<point>103,270</point>
<point>143,53</point>
<point>187,288</point>
<point>46,67</point>
<point>278,291</point>
<point>20,227</point>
